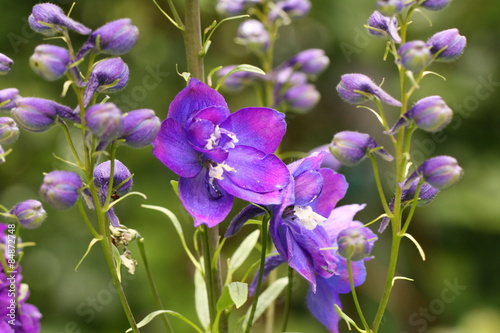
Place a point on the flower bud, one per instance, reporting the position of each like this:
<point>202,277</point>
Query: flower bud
<point>121,173</point>
<point>293,9</point>
<point>29,213</point>
<point>9,132</point>
<point>414,55</point>
<point>310,61</point>
<point>431,114</point>
<point>140,127</point>
<point>49,19</point>
<point>114,38</point>
<point>302,98</point>
<point>435,4</point>
<point>441,172</point>
<point>230,7</point>
<point>389,7</point>
<point>384,26</point>
<point>447,44</point>
<point>50,61</point>
<point>350,148</point>
<point>351,85</point>
<point>105,121</point>
<point>355,243</point>
<point>253,34</point>
<point>60,189</point>
<point>2,155</point>
<point>5,64</point>
<point>8,98</point>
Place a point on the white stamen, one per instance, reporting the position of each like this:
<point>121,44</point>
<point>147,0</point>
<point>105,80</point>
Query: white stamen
<point>217,170</point>
<point>307,217</point>
<point>214,138</point>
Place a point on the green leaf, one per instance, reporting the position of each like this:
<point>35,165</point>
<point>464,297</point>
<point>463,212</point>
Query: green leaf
<point>175,186</point>
<point>234,293</point>
<point>243,251</point>
<point>118,263</point>
<point>266,298</point>
<point>201,299</point>
<point>154,314</point>
<point>92,242</point>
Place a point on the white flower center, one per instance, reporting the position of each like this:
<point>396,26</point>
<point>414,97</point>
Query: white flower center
<point>216,171</point>
<point>215,138</point>
<point>307,217</point>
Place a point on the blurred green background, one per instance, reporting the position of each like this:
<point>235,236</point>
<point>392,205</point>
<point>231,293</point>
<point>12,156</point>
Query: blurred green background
<point>456,289</point>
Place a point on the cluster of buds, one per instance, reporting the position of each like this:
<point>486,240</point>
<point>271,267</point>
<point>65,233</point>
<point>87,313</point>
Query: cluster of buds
<point>281,9</point>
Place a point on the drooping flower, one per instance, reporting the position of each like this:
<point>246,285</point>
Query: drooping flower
<point>358,88</point>
<point>49,19</point>
<point>448,45</point>
<point>50,61</point>
<point>60,189</point>
<point>384,26</point>
<point>219,155</point>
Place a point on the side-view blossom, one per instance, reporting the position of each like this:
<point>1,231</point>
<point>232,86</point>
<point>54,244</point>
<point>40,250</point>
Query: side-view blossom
<point>447,45</point>
<point>140,127</point>
<point>29,213</point>
<point>49,19</point>
<point>9,132</point>
<point>5,64</point>
<point>60,189</point>
<point>358,88</point>
<point>350,148</point>
<point>383,26</point>
<point>50,61</point>
<point>219,155</point>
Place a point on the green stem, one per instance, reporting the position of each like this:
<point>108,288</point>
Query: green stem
<point>412,208</point>
<point>263,235</point>
<point>192,40</point>
<point>207,261</point>
<point>289,291</point>
<point>355,296</point>
<point>71,145</point>
<point>152,284</point>
<point>379,185</point>
<point>87,220</point>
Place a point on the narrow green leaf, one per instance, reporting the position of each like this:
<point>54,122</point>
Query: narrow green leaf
<point>92,242</point>
<point>243,251</point>
<point>266,298</point>
<point>201,299</point>
<point>175,186</point>
<point>154,314</point>
<point>118,263</point>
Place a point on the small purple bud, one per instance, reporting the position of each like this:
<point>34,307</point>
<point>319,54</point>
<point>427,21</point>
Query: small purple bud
<point>441,172</point>
<point>49,19</point>
<point>5,64</point>
<point>60,189</point>
<point>384,26</point>
<point>230,7</point>
<point>50,61</point>
<point>105,121</point>
<point>8,98</point>
<point>310,61</point>
<point>415,56</point>
<point>302,98</point>
<point>351,85</point>
<point>350,148</point>
<point>108,75</point>
<point>431,114</point>
<point>35,114</point>
<point>29,213</point>
<point>355,243</point>
<point>9,132</point>
<point>140,127</point>
<point>292,8</point>
<point>449,42</point>
<point>435,4</point>
<point>114,38</point>
<point>121,173</point>
<point>390,7</point>
<point>253,34</point>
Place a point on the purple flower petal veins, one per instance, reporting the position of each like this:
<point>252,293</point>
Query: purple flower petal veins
<point>220,155</point>
<point>351,85</point>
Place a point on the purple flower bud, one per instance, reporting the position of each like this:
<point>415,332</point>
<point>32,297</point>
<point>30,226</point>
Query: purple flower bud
<point>449,43</point>
<point>230,7</point>
<point>121,173</point>
<point>441,172</point>
<point>293,9</point>
<point>49,19</point>
<point>384,26</point>
<point>355,243</point>
<point>38,114</point>
<point>50,61</point>
<point>60,189</point>
<point>140,127</point>
<point>415,55</point>
<point>114,38</point>
<point>253,34</point>
<point>2,155</point>
<point>8,98</point>
<point>236,81</point>
<point>389,7</point>
<point>302,98</point>
<point>350,148</point>
<point>435,4</point>
<point>29,213</point>
<point>351,85</point>
<point>329,161</point>
<point>311,61</point>
<point>9,132</point>
<point>5,64</point>
<point>105,121</point>
<point>108,75</point>
<point>430,114</point>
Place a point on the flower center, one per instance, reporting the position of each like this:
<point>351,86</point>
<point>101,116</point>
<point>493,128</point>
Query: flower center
<point>307,217</point>
<point>221,138</point>
<point>216,170</point>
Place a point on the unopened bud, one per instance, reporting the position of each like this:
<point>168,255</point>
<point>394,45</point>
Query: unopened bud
<point>441,172</point>
<point>29,213</point>
<point>105,121</point>
<point>5,64</point>
<point>310,61</point>
<point>448,45</point>
<point>358,88</point>
<point>384,26</point>
<point>414,55</point>
<point>389,7</point>
<point>435,4</point>
<point>350,148</point>
<point>49,19</point>
<point>302,98</point>
<point>140,127</point>
<point>38,114</point>
<point>102,174</point>
<point>50,61</point>
<point>355,243</point>
<point>9,132</point>
<point>8,97</point>
<point>60,189</point>
<point>253,34</point>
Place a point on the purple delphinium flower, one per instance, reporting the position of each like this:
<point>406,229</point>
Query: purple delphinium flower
<point>435,4</point>
<point>441,172</point>
<point>115,38</point>
<point>5,64</point>
<point>219,155</point>
<point>448,45</point>
<point>140,127</point>
<point>29,213</point>
<point>49,19</point>
<point>50,61</point>
<point>8,97</point>
<point>350,148</point>
<point>60,189</point>
<point>384,26</point>
<point>415,56</point>
<point>351,85</point>
<point>9,132</point>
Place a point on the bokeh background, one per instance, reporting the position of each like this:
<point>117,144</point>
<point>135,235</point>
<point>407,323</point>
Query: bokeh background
<point>455,290</point>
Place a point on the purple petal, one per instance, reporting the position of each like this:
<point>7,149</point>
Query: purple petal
<point>271,263</point>
<point>239,220</point>
<point>322,305</point>
<point>214,114</point>
<point>308,186</point>
<point>311,162</point>
<point>261,128</point>
<point>207,203</point>
<point>192,99</point>
<point>172,148</point>
<point>334,188</point>
<point>340,219</point>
